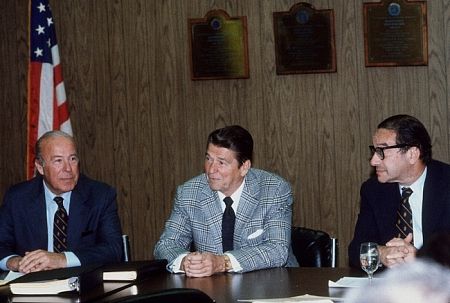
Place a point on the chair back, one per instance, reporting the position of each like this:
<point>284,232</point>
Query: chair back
<point>314,248</point>
<point>172,295</point>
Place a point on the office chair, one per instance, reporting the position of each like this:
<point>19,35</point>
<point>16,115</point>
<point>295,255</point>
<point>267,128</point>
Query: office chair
<point>126,248</point>
<point>173,295</point>
<point>314,248</point>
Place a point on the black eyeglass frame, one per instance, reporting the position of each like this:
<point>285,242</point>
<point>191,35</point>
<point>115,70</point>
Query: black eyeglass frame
<point>380,150</point>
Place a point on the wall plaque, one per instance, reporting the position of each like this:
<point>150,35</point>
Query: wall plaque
<point>395,33</point>
<point>218,46</point>
<point>304,40</point>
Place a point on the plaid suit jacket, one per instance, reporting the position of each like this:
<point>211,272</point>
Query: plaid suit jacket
<point>265,206</point>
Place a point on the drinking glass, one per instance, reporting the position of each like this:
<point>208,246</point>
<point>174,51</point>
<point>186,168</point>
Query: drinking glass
<point>369,258</point>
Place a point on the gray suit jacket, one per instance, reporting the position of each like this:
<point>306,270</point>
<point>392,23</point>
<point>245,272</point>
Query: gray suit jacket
<point>265,205</point>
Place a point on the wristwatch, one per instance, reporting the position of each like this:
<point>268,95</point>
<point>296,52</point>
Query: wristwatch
<point>228,265</point>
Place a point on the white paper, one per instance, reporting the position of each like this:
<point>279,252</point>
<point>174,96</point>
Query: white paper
<point>12,275</point>
<point>349,282</point>
<point>304,299</point>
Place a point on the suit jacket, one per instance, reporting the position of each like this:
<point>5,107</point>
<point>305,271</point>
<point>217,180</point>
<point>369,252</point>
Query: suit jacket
<point>262,229</point>
<point>380,201</point>
<point>94,232</point>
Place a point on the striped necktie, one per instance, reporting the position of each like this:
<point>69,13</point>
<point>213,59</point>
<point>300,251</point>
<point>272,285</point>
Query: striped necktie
<point>404,215</point>
<point>60,227</point>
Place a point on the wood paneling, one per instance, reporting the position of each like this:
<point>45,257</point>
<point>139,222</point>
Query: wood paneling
<point>141,123</point>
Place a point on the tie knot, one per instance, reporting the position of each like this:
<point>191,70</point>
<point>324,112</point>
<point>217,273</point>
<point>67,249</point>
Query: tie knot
<point>228,201</point>
<point>406,192</point>
<point>59,201</point>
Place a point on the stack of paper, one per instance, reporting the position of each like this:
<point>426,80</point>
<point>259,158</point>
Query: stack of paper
<point>51,287</point>
<point>304,299</point>
<point>349,282</point>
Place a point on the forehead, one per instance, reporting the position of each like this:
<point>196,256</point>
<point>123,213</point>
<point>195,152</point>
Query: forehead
<point>58,145</point>
<point>220,152</point>
<point>384,137</point>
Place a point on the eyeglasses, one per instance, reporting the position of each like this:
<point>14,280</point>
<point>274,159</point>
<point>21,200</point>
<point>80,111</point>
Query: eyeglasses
<point>380,150</point>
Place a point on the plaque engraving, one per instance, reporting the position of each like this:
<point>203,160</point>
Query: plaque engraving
<point>395,33</point>
<point>304,40</point>
<point>218,46</point>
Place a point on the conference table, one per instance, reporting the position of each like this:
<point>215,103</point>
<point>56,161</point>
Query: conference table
<point>261,284</point>
<point>226,287</point>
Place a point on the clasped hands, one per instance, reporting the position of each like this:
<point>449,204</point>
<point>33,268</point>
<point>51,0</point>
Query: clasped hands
<point>197,264</point>
<point>37,260</point>
<point>397,251</point>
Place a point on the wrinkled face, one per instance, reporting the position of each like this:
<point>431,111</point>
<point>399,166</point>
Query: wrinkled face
<point>396,165</point>
<point>223,171</point>
<point>60,166</point>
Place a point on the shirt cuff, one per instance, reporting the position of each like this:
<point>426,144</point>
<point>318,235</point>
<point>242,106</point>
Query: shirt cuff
<point>4,261</point>
<point>71,259</point>
<point>175,265</point>
<point>234,263</point>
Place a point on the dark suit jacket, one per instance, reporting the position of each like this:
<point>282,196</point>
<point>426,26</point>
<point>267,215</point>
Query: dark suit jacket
<point>94,231</point>
<point>379,203</point>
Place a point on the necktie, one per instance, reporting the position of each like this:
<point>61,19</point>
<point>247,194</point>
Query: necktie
<point>404,214</point>
<point>228,220</point>
<point>60,227</point>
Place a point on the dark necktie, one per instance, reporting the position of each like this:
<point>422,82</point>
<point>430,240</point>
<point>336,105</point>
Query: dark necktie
<point>60,227</point>
<point>228,225</point>
<point>404,214</point>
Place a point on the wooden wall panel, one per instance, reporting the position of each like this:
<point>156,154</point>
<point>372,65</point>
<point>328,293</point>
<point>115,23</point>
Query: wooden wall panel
<point>141,123</point>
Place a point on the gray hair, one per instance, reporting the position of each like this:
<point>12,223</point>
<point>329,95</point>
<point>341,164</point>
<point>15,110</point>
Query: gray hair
<point>420,281</point>
<point>44,137</point>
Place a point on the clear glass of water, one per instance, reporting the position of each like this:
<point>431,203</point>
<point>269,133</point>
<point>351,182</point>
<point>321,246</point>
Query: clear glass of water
<point>369,258</point>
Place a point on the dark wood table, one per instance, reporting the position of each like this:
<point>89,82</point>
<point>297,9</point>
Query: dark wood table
<point>223,288</point>
<point>262,284</point>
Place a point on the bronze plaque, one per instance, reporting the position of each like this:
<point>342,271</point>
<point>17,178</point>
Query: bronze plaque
<point>395,33</point>
<point>218,46</point>
<point>304,40</point>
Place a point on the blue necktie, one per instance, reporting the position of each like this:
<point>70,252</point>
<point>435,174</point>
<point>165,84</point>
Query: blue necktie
<point>228,220</point>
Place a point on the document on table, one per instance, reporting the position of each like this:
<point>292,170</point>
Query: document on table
<point>11,276</point>
<point>350,282</point>
<point>304,299</point>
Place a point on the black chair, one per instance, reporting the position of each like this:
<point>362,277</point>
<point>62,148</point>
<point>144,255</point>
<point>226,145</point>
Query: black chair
<point>173,295</point>
<point>314,248</point>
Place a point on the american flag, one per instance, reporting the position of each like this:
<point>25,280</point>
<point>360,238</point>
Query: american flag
<point>47,104</point>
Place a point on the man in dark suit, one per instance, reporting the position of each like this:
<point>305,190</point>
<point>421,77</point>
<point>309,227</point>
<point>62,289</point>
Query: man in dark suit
<point>262,206</point>
<point>402,159</point>
<point>92,232</point>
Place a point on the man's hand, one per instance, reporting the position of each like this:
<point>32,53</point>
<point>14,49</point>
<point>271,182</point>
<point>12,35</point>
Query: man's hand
<point>397,251</point>
<point>202,264</point>
<point>38,260</point>
<point>13,263</point>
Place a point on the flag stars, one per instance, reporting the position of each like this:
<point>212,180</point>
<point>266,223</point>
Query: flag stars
<point>49,43</point>
<point>41,7</point>
<point>49,21</point>
<point>39,52</point>
<point>40,30</point>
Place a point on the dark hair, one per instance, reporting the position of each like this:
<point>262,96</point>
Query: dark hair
<point>410,131</point>
<point>236,138</point>
<point>437,248</point>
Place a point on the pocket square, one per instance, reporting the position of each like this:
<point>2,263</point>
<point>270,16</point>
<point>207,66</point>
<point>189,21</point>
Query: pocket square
<point>255,234</point>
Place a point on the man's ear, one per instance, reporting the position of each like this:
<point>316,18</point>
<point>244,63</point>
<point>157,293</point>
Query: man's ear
<point>413,154</point>
<point>245,167</point>
<point>39,166</point>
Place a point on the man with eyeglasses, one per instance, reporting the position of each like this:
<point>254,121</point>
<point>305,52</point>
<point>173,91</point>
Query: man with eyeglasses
<point>402,158</point>
<point>60,218</point>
